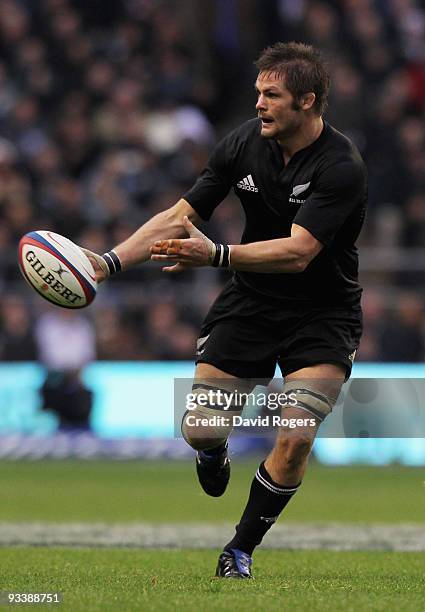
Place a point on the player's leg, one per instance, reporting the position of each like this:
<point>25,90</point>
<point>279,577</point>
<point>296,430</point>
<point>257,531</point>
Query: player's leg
<point>231,353</point>
<point>316,389</point>
<point>213,387</point>
<point>207,427</point>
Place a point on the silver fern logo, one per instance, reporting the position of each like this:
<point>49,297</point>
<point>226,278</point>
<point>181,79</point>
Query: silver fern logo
<point>299,189</point>
<point>296,191</point>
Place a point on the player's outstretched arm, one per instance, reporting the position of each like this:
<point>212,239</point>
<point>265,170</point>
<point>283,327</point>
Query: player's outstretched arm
<point>136,249</point>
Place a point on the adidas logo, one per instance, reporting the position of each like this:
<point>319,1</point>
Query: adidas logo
<point>247,183</point>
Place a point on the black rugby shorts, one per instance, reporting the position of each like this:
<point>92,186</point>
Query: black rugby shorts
<point>245,335</point>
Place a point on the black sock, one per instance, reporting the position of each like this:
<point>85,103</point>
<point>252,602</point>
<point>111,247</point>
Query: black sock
<point>266,501</point>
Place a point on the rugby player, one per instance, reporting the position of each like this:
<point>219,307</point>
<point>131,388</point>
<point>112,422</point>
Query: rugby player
<point>294,299</point>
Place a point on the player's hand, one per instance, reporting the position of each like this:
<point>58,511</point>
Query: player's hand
<point>195,251</point>
<point>99,265</point>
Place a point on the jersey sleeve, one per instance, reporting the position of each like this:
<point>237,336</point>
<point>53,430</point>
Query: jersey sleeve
<point>339,190</point>
<point>214,182</point>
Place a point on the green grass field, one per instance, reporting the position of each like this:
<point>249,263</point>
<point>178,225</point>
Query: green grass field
<point>181,580</point>
<point>167,492</point>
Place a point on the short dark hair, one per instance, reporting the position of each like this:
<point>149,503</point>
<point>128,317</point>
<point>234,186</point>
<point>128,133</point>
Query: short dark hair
<point>303,68</point>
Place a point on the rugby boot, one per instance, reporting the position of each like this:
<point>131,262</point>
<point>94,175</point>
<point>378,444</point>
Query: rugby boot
<point>234,563</point>
<point>213,471</point>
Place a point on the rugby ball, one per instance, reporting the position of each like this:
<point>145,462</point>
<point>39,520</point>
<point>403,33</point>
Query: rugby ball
<point>57,269</point>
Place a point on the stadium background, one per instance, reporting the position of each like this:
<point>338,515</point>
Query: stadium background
<point>108,112</point>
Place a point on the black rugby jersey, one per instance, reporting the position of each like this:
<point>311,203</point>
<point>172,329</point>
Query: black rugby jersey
<point>322,188</point>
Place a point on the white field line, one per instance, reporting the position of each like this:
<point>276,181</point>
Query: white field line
<point>337,536</point>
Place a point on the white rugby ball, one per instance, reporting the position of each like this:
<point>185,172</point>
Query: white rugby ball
<point>57,269</point>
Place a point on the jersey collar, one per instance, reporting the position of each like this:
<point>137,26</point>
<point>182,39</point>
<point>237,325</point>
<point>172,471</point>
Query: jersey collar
<point>316,144</point>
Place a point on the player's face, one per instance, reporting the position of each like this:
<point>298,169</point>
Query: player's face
<point>276,107</point>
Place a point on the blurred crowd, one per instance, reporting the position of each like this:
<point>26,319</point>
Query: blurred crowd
<point>108,112</point>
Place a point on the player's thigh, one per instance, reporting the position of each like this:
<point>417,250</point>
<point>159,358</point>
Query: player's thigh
<point>217,378</point>
<point>312,392</point>
<point>326,378</point>
<point>206,370</point>
<point>217,398</point>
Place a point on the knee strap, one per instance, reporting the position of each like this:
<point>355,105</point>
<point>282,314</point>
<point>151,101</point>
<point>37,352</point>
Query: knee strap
<point>305,395</point>
<point>209,424</point>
